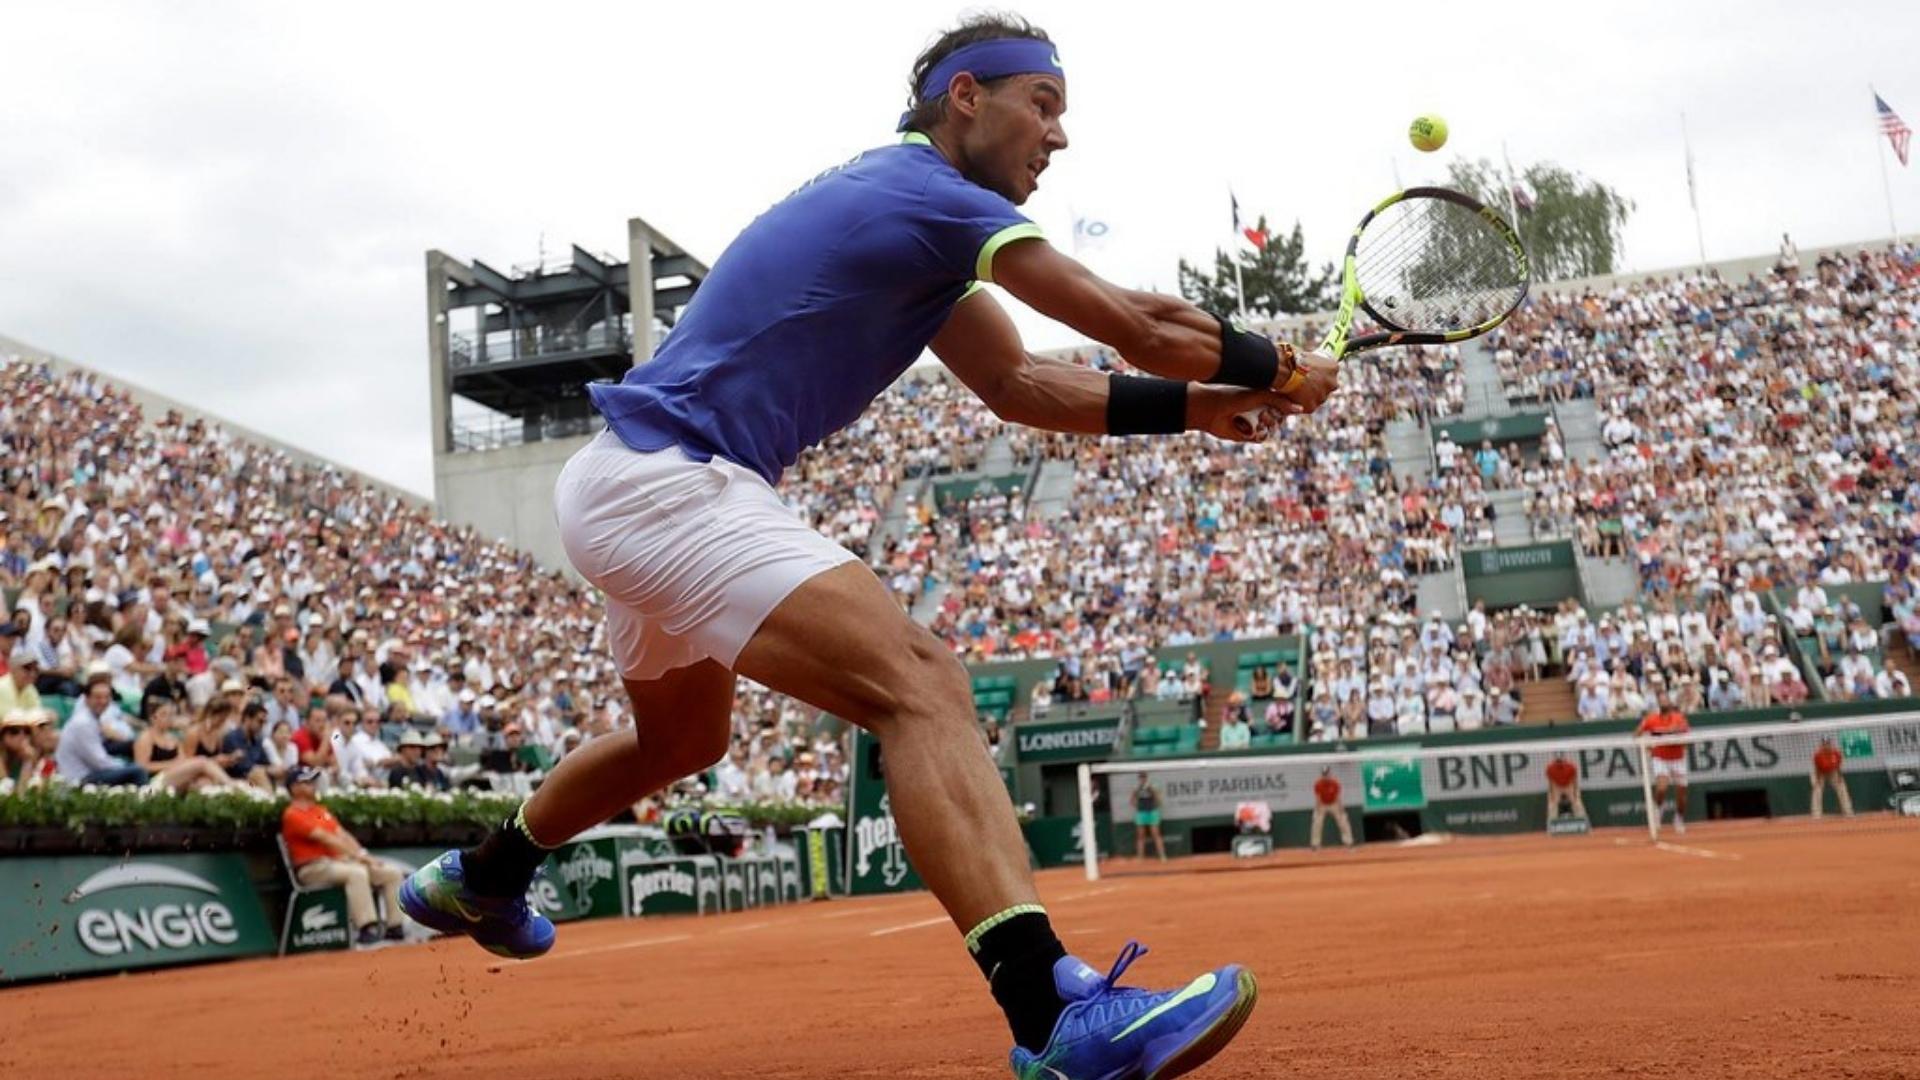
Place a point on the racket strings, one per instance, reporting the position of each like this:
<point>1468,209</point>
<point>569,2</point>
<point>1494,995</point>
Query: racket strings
<point>1434,265</point>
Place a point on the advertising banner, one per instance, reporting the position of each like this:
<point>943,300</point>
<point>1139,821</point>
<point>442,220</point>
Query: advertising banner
<point>96,913</point>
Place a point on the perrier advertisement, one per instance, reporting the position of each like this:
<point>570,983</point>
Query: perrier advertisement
<point>876,860</point>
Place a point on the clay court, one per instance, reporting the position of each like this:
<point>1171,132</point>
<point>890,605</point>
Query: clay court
<point>1777,950</point>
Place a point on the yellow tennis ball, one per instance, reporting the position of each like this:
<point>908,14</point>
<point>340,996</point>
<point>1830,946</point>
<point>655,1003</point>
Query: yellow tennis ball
<point>1428,133</point>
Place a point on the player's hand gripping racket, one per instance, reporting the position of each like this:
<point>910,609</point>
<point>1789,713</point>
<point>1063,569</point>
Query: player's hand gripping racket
<point>1429,266</point>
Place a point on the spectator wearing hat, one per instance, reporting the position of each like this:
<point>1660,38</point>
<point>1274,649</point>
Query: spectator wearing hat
<point>19,686</point>
<point>325,854</point>
<point>462,720</point>
<point>82,756</point>
<point>193,651</point>
<point>28,742</point>
<point>433,768</point>
<point>409,761</point>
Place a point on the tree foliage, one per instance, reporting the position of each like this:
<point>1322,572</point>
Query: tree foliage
<point>1574,226</point>
<point>1278,279</point>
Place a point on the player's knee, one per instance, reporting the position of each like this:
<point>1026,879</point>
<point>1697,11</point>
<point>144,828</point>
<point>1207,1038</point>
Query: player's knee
<point>928,685</point>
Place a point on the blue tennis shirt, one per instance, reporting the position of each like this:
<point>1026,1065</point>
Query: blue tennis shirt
<point>814,309</point>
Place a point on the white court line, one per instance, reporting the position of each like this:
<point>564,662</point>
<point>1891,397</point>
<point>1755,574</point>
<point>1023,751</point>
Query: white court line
<point>645,942</point>
<point>1697,852</point>
<point>912,926</point>
<point>744,929</point>
<point>1084,895</point>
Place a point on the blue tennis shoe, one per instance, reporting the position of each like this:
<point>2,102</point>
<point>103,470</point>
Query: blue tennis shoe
<point>1113,1032</point>
<point>436,896</point>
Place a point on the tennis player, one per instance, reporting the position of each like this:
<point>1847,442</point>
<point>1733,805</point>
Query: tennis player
<point>814,309</point>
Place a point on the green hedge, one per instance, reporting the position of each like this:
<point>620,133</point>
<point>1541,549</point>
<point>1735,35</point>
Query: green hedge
<point>81,809</point>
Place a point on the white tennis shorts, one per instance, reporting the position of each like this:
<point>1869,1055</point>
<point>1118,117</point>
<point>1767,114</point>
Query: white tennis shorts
<point>1672,770</point>
<point>692,556</point>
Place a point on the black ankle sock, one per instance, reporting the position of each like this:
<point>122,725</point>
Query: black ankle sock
<point>1016,955</point>
<point>504,863</point>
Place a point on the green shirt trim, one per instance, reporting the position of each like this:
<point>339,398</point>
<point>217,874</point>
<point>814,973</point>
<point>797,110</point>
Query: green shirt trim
<point>972,287</point>
<point>914,138</point>
<point>983,265</point>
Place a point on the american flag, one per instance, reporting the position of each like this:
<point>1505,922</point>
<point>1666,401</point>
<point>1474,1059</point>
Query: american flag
<point>1896,129</point>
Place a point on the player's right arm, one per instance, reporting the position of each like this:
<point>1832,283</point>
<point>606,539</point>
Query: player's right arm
<point>1159,334</point>
<point>981,346</point>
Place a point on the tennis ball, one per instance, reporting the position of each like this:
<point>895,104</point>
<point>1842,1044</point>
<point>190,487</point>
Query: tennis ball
<point>1428,133</point>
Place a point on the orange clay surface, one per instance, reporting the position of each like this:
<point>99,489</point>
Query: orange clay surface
<point>1783,950</point>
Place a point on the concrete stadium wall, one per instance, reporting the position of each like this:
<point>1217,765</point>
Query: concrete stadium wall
<point>507,494</point>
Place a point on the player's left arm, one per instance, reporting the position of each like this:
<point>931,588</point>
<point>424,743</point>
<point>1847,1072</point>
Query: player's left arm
<point>982,347</point>
<point>1160,334</point>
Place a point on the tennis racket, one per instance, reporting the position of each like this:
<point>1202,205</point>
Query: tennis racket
<point>1429,266</point>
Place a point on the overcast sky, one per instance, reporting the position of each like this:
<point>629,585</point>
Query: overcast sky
<point>229,203</point>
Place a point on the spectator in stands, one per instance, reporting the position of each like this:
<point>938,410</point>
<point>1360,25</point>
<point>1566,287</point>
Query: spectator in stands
<point>732,781</point>
<point>283,754</point>
<point>313,739</point>
<point>157,751</point>
<point>170,685</point>
<point>82,756</point>
<point>60,661</point>
<point>285,703</point>
<point>17,688</point>
<point>244,747</point>
<point>366,761</point>
<point>1236,731</point>
<point>324,854</point>
<point>28,739</point>
<point>407,766</point>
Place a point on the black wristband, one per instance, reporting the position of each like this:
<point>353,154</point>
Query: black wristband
<point>1145,406</point>
<point>1246,359</point>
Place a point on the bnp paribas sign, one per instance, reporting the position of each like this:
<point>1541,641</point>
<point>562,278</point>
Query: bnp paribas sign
<point>79,914</point>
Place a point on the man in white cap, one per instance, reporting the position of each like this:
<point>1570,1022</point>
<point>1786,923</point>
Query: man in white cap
<point>17,690</point>
<point>462,720</point>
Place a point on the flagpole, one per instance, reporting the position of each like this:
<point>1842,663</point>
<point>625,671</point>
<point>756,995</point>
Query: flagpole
<point>1693,195</point>
<point>1239,286</point>
<point>1513,186</point>
<point>1886,188</point>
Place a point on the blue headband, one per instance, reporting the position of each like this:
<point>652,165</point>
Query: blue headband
<point>989,60</point>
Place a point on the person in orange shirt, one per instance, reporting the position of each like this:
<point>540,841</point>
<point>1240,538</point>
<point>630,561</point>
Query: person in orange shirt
<point>1827,760</point>
<point>324,854</point>
<point>1563,788</point>
<point>1668,763</point>
<point>1326,803</point>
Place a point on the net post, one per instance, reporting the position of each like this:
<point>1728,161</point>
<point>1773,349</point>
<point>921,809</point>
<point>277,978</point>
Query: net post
<point>1089,839</point>
<point>1646,789</point>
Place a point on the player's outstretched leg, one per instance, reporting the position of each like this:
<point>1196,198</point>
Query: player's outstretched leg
<point>681,727</point>
<point>840,643</point>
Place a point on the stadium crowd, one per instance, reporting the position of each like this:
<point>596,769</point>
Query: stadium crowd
<point>1758,449</point>
<point>204,598</point>
<point>220,612</point>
